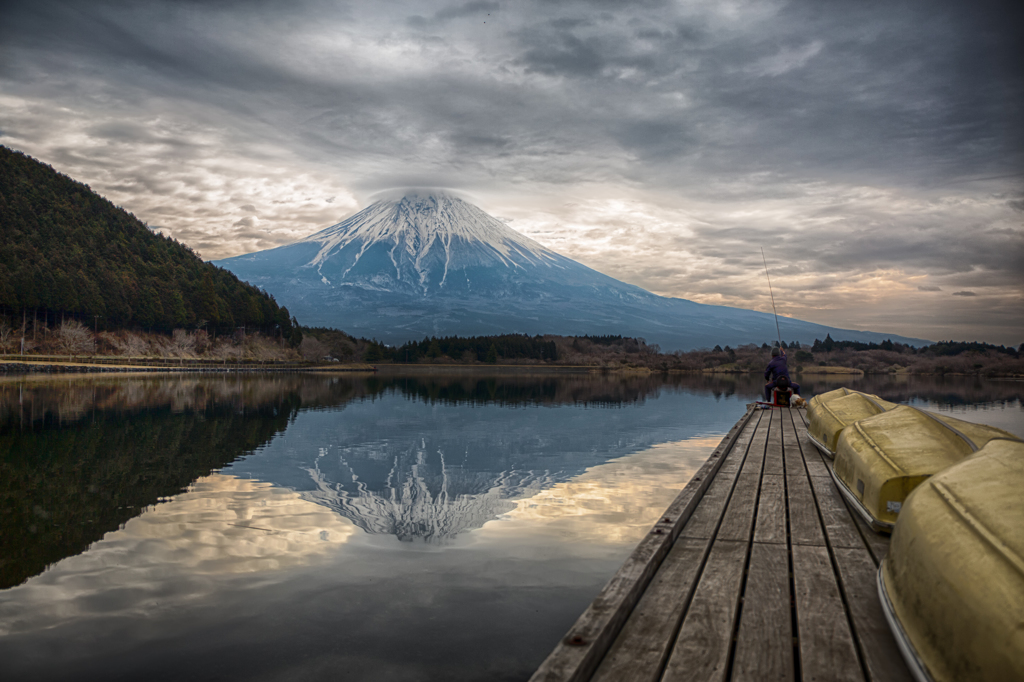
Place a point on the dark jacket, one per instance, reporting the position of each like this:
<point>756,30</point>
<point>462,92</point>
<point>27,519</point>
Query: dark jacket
<point>777,368</point>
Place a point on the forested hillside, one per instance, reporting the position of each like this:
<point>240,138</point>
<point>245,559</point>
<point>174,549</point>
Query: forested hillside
<point>66,250</point>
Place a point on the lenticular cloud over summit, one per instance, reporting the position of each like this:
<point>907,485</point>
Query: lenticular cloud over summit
<point>429,263</point>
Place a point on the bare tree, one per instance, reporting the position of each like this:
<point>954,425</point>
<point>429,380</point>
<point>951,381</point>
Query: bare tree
<point>6,335</point>
<point>202,340</point>
<point>73,338</point>
<point>313,349</point>
<point>184,343</point>
<point>133,345</point>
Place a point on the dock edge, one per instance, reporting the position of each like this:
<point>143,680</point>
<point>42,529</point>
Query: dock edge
<point>578,654</point>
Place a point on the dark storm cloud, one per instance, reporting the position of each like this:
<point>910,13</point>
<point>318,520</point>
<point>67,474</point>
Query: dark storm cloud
<point>475,8</point>
<point>467,9</point>
<point>568,55</point>
<point>757,98</point>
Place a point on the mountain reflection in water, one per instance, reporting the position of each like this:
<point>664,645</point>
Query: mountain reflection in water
<point>438,526</point>
<point>80,457</point>
<point>428,473</point>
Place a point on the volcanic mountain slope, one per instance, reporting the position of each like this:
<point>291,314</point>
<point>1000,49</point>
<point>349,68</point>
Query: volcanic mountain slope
<point>431,264</point>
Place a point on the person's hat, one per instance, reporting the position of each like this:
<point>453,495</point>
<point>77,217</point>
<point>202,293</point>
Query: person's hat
<point>775,352</point>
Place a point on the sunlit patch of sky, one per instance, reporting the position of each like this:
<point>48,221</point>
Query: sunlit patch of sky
<point>874,149</point>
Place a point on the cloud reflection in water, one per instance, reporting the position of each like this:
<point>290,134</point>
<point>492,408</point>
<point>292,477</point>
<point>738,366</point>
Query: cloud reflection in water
<point>222,525</point>
<point>613,504</point>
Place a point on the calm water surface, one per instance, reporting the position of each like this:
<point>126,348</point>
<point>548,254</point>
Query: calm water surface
<point>422,527</point>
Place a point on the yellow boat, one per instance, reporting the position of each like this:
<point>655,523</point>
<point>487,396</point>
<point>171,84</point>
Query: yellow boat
<point>881,459</point>
<point>830,413</point>
<point>952,584</point>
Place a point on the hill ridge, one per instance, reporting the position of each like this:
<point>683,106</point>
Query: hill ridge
<point>66,249</point>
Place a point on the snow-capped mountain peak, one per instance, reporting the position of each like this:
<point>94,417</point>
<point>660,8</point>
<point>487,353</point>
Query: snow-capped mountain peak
<point>427,262</point>
<point>425,233</point>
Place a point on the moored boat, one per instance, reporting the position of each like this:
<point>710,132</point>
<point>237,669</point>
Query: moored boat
<point>830,413</point>
<point>952,583</point>
<point>881,459</point>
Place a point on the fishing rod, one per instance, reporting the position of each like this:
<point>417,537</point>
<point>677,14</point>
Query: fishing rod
<point>773,298</point>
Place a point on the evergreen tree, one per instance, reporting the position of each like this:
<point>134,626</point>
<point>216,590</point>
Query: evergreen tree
<point>374,353</point>
<point>67,251</point>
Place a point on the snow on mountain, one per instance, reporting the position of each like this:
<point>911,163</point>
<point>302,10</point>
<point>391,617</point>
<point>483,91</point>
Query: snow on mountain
<point>428,263</point>
<point>426,229</point>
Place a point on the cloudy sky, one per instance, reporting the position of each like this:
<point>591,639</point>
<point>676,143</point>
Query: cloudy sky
<point>874,149</point>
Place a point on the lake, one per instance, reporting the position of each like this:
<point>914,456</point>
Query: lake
<point>433,525</point>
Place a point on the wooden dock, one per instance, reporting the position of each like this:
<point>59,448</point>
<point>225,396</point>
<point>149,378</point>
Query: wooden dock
<point>757,571</point>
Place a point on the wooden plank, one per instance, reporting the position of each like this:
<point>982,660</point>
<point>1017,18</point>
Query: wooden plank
<point>736,454</point>
<point>701,650</point>
<point>791,451</point>
<point>877,543</point>
<point>771,511</point>
<point>764,643</point>
<point>816,464</point>
<point>878,647</point>
<point>704,521</point>
<point>738,520</point>
<point>804,524</point>
<point>856,565</point>
<point>641,649</point>
<point>773,453</point>
<point>839,524</point>
<point>578,654</point>
<point>739,514</point>
<point>827,649</point>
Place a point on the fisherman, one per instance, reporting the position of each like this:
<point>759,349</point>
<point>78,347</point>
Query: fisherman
<point>777,375</point>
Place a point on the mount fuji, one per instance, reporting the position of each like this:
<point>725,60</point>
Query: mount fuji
<point>428,263</point>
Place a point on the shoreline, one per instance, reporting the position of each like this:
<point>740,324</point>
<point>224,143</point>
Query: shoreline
<point>27,367</point>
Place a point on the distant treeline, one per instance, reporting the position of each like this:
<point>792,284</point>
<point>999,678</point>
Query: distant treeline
<point>337,344</point>
<point>475,348</point>
<point>65,250</point>
<point>942,348</point>
<point>320,342</point>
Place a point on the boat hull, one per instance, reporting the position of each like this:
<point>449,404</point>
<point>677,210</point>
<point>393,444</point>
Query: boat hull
<point>830,413</point>
<point>952,583</point>
<point>880,460</point>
